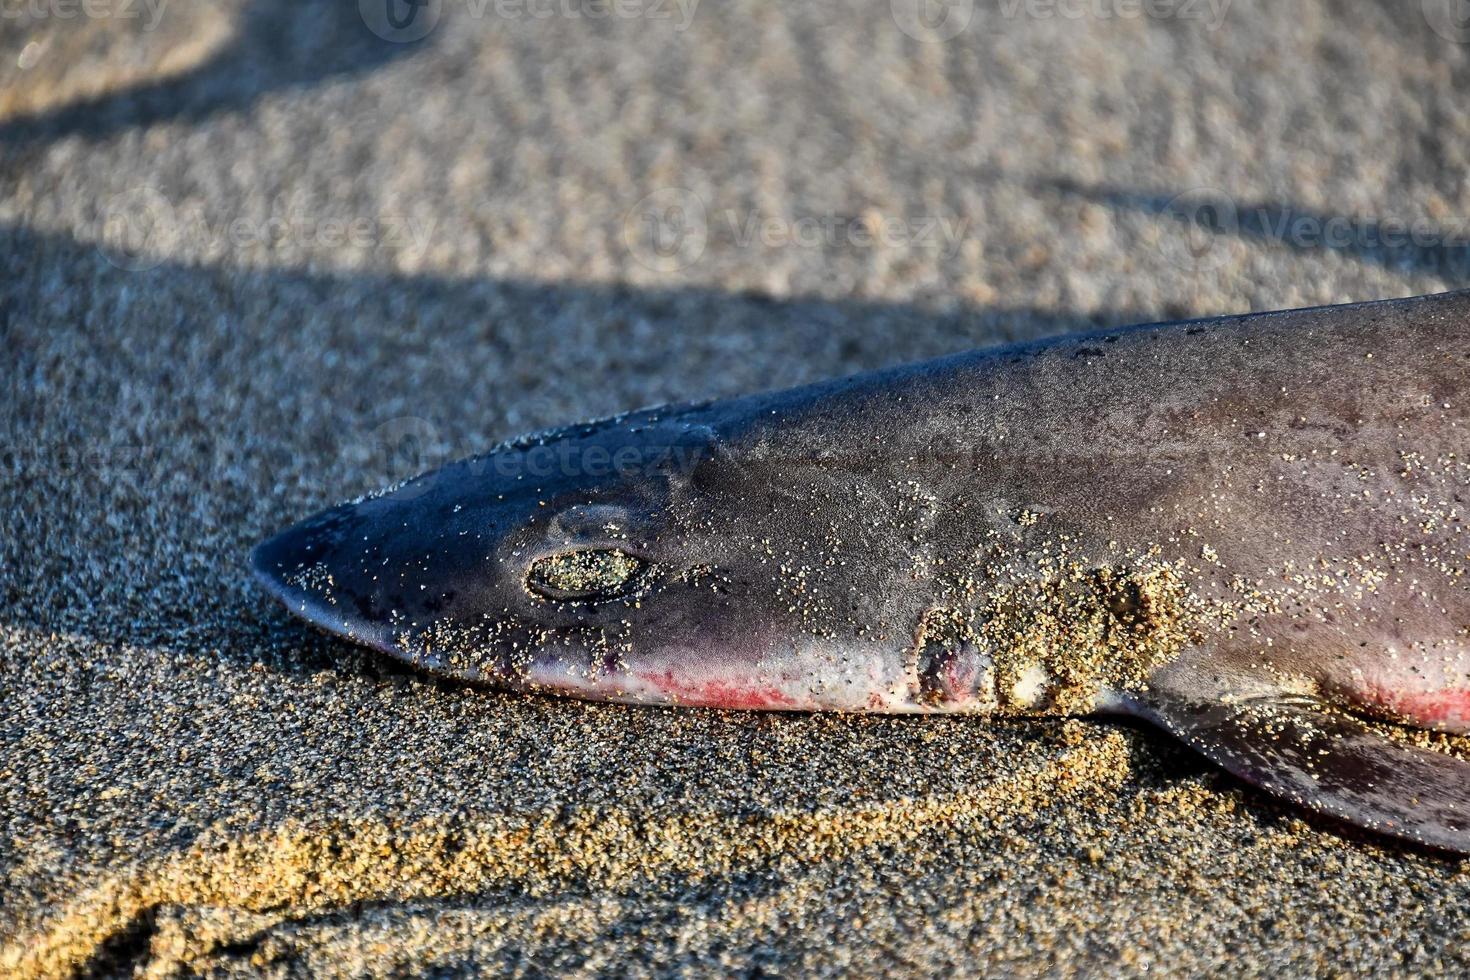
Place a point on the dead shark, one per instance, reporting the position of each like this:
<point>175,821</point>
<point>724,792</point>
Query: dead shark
<point>1247,531</point>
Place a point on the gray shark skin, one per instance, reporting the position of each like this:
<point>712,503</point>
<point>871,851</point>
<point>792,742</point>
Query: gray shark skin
<point>1247,531</point>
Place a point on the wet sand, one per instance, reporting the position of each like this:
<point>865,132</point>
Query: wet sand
<point>255,260</point>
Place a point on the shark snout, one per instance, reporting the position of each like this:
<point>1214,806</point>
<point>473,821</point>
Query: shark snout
<point>305,569</point>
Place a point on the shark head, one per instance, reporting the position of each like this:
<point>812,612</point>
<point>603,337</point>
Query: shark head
<point>642,559</point>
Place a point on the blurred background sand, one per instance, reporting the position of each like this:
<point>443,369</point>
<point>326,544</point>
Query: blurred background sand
<point>258,258</point>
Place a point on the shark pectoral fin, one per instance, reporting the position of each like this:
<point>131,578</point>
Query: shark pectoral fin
<point>1302,750</point>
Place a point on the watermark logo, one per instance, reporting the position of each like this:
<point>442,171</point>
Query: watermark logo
<point>150,12</point>
<point>679,12</point>
<point>405,21</point>
<point>668,230</point>
<point>137,227</point>
<point>1450,19</point>
<point>932,21</point>
<point>1204,217</point>
<point>1207,220</point>
<point>141,227</point>
<point>404,448</point>
<point>408,454</point>
<point>1211,13</point>
<point>831,231</point>
<point>401,21</point>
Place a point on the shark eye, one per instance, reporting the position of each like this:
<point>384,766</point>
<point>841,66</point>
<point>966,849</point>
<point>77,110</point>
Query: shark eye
<point>589,575</point>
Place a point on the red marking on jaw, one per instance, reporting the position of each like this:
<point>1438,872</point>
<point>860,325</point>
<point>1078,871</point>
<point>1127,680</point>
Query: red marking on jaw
<point>1446,707</point>
<point>717,693</point>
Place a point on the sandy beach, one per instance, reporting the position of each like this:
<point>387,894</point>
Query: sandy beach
<point>256,258</point>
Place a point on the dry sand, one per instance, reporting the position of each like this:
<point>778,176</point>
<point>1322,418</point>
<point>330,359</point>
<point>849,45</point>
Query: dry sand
<point>191,783</point>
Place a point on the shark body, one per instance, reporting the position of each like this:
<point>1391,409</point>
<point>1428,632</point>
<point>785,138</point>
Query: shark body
<point>1249,531</point>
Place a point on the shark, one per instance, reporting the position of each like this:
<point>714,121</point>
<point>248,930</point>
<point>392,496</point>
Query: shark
<point>1247,531</point>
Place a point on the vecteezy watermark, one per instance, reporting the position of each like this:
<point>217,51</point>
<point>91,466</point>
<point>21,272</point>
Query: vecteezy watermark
<point>932,21</point>
<point>141,227</point>
<point>832,231</point>
<point>411,20</point>
<point>137,226</point>
<point>1207,218</point>
<point>667,230</point>
<point>1450,19</point>
<point>1211,13</point>
<point>1202,216</point>
<point>677,12</point>
<point>405,447</point>
<point>407,452</point>
<point>149,11</point>
<point>943,20</point>
<point>403,21</point>
<point>670,229</point>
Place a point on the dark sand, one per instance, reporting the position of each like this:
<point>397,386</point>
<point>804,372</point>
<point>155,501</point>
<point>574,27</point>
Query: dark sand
<point>190,782</point>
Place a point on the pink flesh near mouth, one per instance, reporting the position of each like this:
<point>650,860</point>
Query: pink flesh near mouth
<point>717,693</point>
<point>1448,709</point>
